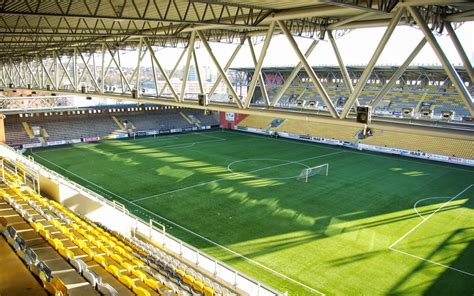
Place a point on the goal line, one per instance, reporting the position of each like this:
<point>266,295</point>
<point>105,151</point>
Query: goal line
<point>307,173</point>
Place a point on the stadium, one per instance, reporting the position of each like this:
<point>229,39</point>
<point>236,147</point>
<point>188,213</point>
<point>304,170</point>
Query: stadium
<point>198,147</point>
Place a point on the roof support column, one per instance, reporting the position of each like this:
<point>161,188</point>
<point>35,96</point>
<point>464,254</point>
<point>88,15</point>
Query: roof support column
<point>293,74</point>
<point>309,70</point>
<point>188,64</point>
<point>90,73</point>
<point>174,68</point>
<point>75,73</point>
<point>198,72</point>
<point>47,74</point>
<point>219,68</point>
<point>261,80</point>
<point>258,66</point>
<point>342,66</point>
<point>137,72</point>
<point>163,72</point>
<point>448,67</point>
<point>65,71</point>
<point>102,68</point>
<point>120,69</point>
<point>398,73</point>
<point>370,66</point>
<point>20,80</point>
<point>226,67</point>
<point>460,50</point>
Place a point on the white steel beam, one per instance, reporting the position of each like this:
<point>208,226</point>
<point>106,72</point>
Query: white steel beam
<point>65,71</point>
<point>370,66</point>
<point>117,64</point>
<point>257,74</point>
<point>261,80</point>
<point>47,73</point>
<point>226,67</point>
<point>173,70</point>
<point>309,70</point>
<point>462,54</point>
<point>448,67</point>
<point>90,72</point>
<point>293,74</point>
<point>219,68</point>
<point>198,72</point>
<point>163,72</point>
<point>342,67</point>
<point>398,73</point>
<point>188,65</point>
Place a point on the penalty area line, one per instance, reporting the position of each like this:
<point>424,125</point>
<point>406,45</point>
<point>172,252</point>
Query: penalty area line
<point>192,232</point>
<point>392,246</point>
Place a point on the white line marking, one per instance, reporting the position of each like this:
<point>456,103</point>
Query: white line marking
<point>430,261</point>
<point>207,136</point>
<point>423,199</point>
<point>181,145</point>
<point>226,179</point>
<point>192,232</point>
<point>431,215</point>
<point>397,157</point>
<point>392,246</point>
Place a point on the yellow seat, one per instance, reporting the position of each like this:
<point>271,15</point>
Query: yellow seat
<point>66,253</point>
<point>101,260</point>
<point>198,286</point>
<point>139,274</point>
<point>128,256</point>
<point>140,291</point>
<point>80,243</point>
<point>180,272</point>
<point>106,251</point>
<point>119,250</point>
<point>89,252</point>
<point>45,233</point>
<point>188,280</point>
<point>113,270</point>
<point>57,243</point>
<point>117,258</point>
<point>127,266</point>
<point>127,281</point>
<point>138,263</point>
<point>152,283</point>
<point>208,291</point>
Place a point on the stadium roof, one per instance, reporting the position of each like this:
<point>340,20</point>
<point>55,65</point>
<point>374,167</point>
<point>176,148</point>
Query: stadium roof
<point>39,26</point>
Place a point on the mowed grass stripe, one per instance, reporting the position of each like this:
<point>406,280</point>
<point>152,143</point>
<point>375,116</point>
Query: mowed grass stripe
<point>331,234</point>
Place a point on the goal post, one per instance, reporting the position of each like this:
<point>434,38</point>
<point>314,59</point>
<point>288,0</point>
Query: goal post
<point>305,174</point>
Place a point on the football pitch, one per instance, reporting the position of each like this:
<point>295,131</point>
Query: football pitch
<point>377,224</point>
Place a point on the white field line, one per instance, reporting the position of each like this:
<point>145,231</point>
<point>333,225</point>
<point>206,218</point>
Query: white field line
<point>192,232</point>
<point>221,179</point>
<point>207,136</point>
<point>430,261</point>
<point>181,145</point>
<point>423,199</point>
<point>392,246</point>
<point>431,215</point>
<point>412,160</point>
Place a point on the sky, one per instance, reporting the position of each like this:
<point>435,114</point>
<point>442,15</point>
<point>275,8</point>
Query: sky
<point>356,48</point>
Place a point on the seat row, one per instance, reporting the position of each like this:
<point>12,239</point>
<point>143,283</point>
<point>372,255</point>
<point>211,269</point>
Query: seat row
<point>111,263</point>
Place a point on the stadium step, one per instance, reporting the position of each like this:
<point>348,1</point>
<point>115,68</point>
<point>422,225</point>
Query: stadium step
<point>120,125</point>
<point>28,130</point>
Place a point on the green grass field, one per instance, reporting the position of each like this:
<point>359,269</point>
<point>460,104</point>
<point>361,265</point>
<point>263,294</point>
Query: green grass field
<point>377,224</point>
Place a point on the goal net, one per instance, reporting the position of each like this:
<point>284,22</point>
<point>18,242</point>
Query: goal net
<point>305,174</point>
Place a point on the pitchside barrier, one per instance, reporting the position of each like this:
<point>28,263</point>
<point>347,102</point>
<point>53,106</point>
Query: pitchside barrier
<point>359,146</point>
<point>129,224</point>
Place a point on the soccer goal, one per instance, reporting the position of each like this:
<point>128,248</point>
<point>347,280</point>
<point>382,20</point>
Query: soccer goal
<point>305,174</point>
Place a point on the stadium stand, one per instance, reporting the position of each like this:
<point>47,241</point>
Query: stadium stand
<point>71,255</point>
<point>77,124</point>
<point>428,144</point>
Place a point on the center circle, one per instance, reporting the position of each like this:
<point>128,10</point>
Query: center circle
<point>282,168</point>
